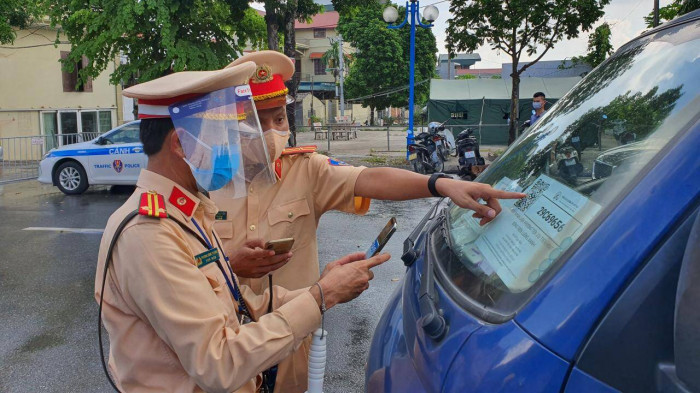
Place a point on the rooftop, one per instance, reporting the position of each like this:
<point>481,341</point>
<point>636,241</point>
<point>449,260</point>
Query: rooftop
<point>463,58</point>
<point>324,20</point>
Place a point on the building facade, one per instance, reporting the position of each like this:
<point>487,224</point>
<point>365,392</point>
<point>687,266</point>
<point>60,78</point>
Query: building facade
<point>39,98</point>
<point>450,68</point>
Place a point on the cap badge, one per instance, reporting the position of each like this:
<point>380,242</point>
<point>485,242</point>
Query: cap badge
<point>262,74</point>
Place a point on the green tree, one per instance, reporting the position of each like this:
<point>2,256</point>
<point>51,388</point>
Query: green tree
<point>519,27</point>
<point>252,29</point>
<point>599,47</point>
<point>331,59</point>
<point>15,14</point>
<point>672,11</point>
<point>381,61</point>
<point>155,37</point>
<point>295,10</point>
<point>467,76</point>
<point>426,58</point>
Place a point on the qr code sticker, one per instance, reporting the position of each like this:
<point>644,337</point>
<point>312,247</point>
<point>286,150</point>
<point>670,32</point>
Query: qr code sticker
<point>533,193</point>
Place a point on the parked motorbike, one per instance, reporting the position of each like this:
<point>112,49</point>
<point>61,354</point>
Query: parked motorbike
<point>423,154</point>
<point>471,163</point>
<point>568,163</point>
<point>444,140</point>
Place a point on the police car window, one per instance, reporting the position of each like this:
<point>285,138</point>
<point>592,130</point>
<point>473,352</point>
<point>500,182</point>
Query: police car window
<point>126,134</point>
<point>575,161</point>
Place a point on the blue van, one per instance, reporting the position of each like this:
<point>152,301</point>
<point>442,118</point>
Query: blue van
<point>592,282</point>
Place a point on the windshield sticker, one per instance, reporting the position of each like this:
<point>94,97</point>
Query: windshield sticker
<point>526,238</point>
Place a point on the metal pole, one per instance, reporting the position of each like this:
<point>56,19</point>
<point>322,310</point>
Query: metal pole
<point>481,118</point>
<point>312,98</point>
<point>411,78</point>
<point>341,71</point>
<point>388,147</point>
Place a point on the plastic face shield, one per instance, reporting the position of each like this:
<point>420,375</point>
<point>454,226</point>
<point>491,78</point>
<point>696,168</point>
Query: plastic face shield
<point>223,143</point>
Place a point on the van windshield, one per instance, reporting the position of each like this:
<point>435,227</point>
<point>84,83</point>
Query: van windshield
<point>572,164</point>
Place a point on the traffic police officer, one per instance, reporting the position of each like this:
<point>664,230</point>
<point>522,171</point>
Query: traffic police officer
<point>310,184</point>
<point>175,312</point>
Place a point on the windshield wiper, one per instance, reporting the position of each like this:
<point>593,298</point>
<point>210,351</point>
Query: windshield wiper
<point>410,254</point>
<point>431,318</point>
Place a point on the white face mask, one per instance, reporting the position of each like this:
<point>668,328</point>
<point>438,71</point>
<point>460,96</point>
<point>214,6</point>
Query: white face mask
<point>276,141</point>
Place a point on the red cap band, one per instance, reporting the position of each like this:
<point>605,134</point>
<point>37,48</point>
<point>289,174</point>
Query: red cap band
<point>270,89</point>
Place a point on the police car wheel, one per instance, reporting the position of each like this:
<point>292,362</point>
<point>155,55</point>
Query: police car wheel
<point>71,178</point>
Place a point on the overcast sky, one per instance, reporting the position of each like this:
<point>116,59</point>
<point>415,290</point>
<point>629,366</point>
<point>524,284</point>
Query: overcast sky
<point>624,16</point>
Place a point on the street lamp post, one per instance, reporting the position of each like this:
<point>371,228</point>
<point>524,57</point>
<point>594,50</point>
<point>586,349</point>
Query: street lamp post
<point>390,15</point>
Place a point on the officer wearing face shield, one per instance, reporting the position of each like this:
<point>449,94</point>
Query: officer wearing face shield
<point>308,185</point>
<point>177,316</point>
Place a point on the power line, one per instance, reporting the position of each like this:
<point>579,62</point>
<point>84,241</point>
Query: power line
<point>438,2</point>
<point>34,46</point>
<point>388,92</point>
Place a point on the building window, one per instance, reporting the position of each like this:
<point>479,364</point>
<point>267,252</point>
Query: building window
<point>319,67</point>
<point>319,33</point>
<point>70,79</point>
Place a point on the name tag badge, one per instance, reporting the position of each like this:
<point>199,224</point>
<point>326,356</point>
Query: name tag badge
<point>221,215</point>
<point>206,257</point>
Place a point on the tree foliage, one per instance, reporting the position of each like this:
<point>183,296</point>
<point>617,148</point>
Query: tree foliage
<point>382,58</point>
<point>466,76</point>
<point>599,47</point>
<point>672,11</point>
<point>519,27</point>
<point>155,37</point>
<point>332,60</point>
<point>15,14</point>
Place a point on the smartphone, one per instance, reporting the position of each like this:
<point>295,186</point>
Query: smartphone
<point>280,246</point>
<point>382,239</point>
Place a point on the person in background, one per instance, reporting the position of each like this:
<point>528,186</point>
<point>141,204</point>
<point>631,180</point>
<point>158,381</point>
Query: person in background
<point>538,103</point>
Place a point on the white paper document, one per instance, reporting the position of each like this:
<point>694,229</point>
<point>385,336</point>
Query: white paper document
<point>529,234</point>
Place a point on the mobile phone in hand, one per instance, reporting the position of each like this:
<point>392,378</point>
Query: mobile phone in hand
<point>382,239</point>
<point>280,246</point>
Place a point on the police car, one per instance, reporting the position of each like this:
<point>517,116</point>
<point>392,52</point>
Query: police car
<point>114,158</point>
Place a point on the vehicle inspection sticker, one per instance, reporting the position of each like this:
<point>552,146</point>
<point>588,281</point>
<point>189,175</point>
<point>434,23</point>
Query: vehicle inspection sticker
<point>528,235</point>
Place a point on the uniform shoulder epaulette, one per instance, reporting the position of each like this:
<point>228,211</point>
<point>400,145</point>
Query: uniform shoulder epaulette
<point>152,204</point>
<point>299,150</point>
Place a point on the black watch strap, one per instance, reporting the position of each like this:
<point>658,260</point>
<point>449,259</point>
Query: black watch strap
<point>431,183</point>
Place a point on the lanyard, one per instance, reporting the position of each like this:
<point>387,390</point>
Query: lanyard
<point>235,290</point>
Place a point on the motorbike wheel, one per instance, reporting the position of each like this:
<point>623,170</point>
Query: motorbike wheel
<point>439,166</point>
<point>442,153</point>
<point>418,166</point>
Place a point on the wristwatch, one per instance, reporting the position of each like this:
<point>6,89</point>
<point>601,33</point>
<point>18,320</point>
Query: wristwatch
<point>431,183</point>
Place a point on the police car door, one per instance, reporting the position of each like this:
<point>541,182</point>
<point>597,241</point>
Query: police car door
<point>120,157</point>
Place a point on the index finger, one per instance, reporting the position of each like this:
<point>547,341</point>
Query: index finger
<point>356,256</point>
<point>500,194</point>
<point>375,260</point>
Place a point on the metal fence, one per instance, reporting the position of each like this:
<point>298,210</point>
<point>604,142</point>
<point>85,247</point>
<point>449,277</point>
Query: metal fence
<point>20,156</point>
<point>334,138</point>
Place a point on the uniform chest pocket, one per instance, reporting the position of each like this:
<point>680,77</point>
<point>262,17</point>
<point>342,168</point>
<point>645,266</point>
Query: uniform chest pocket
<point>213,275</point>
<point>285,217</point>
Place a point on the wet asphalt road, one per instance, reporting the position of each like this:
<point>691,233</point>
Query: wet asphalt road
<point>48,330</point>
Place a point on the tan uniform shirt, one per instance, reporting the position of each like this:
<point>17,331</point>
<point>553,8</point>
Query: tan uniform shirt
<point>173,327</point>
<point>310,185</point>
